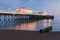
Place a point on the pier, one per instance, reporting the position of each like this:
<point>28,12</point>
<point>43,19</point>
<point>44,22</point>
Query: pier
<point>8,18</point>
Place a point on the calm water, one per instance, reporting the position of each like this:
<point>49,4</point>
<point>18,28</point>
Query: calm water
<point>14,23</point>
<point>56,23</point>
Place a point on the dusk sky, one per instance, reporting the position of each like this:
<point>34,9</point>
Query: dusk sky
<point>50,6</point>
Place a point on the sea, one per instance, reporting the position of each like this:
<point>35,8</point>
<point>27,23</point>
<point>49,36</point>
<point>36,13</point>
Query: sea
<point>56,23</point>
<point>9,22</point>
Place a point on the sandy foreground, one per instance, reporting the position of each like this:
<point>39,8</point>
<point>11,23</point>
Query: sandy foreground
<point>28,35</point>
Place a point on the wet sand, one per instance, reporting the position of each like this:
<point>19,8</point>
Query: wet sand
<point>28,35</point>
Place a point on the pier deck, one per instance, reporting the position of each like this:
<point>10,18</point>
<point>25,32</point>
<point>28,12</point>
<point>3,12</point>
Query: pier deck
<point>31,16</point>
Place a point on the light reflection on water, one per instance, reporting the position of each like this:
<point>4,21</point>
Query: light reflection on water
<point>22,24</point>
<point>27,26</point>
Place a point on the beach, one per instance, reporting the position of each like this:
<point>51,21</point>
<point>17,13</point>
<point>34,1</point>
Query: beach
<point>28,35</point>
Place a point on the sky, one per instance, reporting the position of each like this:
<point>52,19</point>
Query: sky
<point>50,6</point>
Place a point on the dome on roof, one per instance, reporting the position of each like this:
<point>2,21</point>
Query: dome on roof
<point>45,13</point>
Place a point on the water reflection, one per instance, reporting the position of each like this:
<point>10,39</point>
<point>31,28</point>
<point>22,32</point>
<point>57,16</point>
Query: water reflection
<point>27,26</point>
<point>16,23</point>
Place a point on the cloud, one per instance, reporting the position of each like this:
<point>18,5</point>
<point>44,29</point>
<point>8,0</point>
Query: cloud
<point>52,7</point>
<point>10,3</point>
<point>17,3</point>
<point>31,2</point>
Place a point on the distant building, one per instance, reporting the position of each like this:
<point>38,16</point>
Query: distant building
<point>44,13</point>
<point>23,10</point>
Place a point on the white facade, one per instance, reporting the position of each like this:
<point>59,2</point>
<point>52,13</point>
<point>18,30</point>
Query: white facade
<point>23,12</point>
<point>41,13</point>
